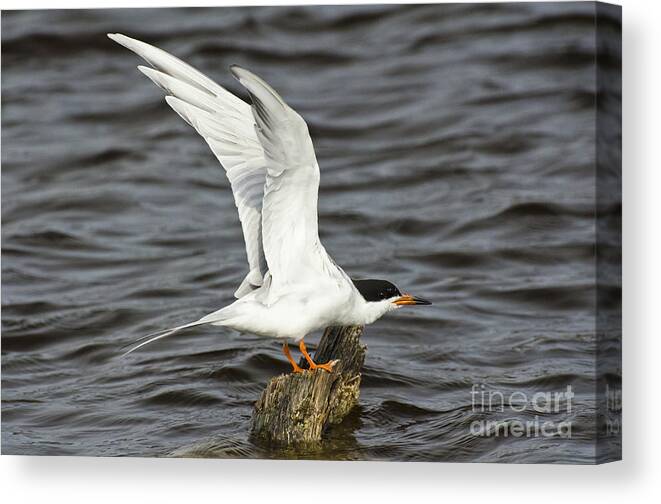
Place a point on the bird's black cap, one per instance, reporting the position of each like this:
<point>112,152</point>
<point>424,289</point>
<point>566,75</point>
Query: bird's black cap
<point>376,290</point>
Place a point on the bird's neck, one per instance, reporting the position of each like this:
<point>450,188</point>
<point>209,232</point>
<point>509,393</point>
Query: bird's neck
<point>367,312</point>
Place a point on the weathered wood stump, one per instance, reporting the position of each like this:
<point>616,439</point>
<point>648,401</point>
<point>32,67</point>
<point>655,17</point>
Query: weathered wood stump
<point>295,408</point>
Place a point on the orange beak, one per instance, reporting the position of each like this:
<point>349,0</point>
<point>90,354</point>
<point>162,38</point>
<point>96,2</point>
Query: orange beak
<point>407,299</point>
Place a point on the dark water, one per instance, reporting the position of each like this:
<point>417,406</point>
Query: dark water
<point>456,145</point>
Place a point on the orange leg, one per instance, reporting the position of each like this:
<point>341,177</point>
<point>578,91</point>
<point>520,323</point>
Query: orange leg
<point>285,349</point>
<point>326,367</point>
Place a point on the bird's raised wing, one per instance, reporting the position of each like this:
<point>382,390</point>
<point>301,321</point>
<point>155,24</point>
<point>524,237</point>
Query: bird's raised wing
<point>289,210</point>
<point>227,124</point>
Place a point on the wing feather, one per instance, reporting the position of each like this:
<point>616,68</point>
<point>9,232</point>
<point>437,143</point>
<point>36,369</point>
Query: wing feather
<point>290,234</point>
<point>227,124</point>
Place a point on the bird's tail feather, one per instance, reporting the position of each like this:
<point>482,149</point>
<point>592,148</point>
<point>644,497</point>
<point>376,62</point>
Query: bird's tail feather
<point>212,318</point>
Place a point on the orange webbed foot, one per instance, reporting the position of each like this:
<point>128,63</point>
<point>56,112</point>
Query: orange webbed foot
<point>295,367</point>
<point>328,366</point>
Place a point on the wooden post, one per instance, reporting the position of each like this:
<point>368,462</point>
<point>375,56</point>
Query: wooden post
<point>295,408</point>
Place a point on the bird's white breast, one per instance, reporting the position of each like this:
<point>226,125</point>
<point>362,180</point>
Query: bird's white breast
<point>293,314</point>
